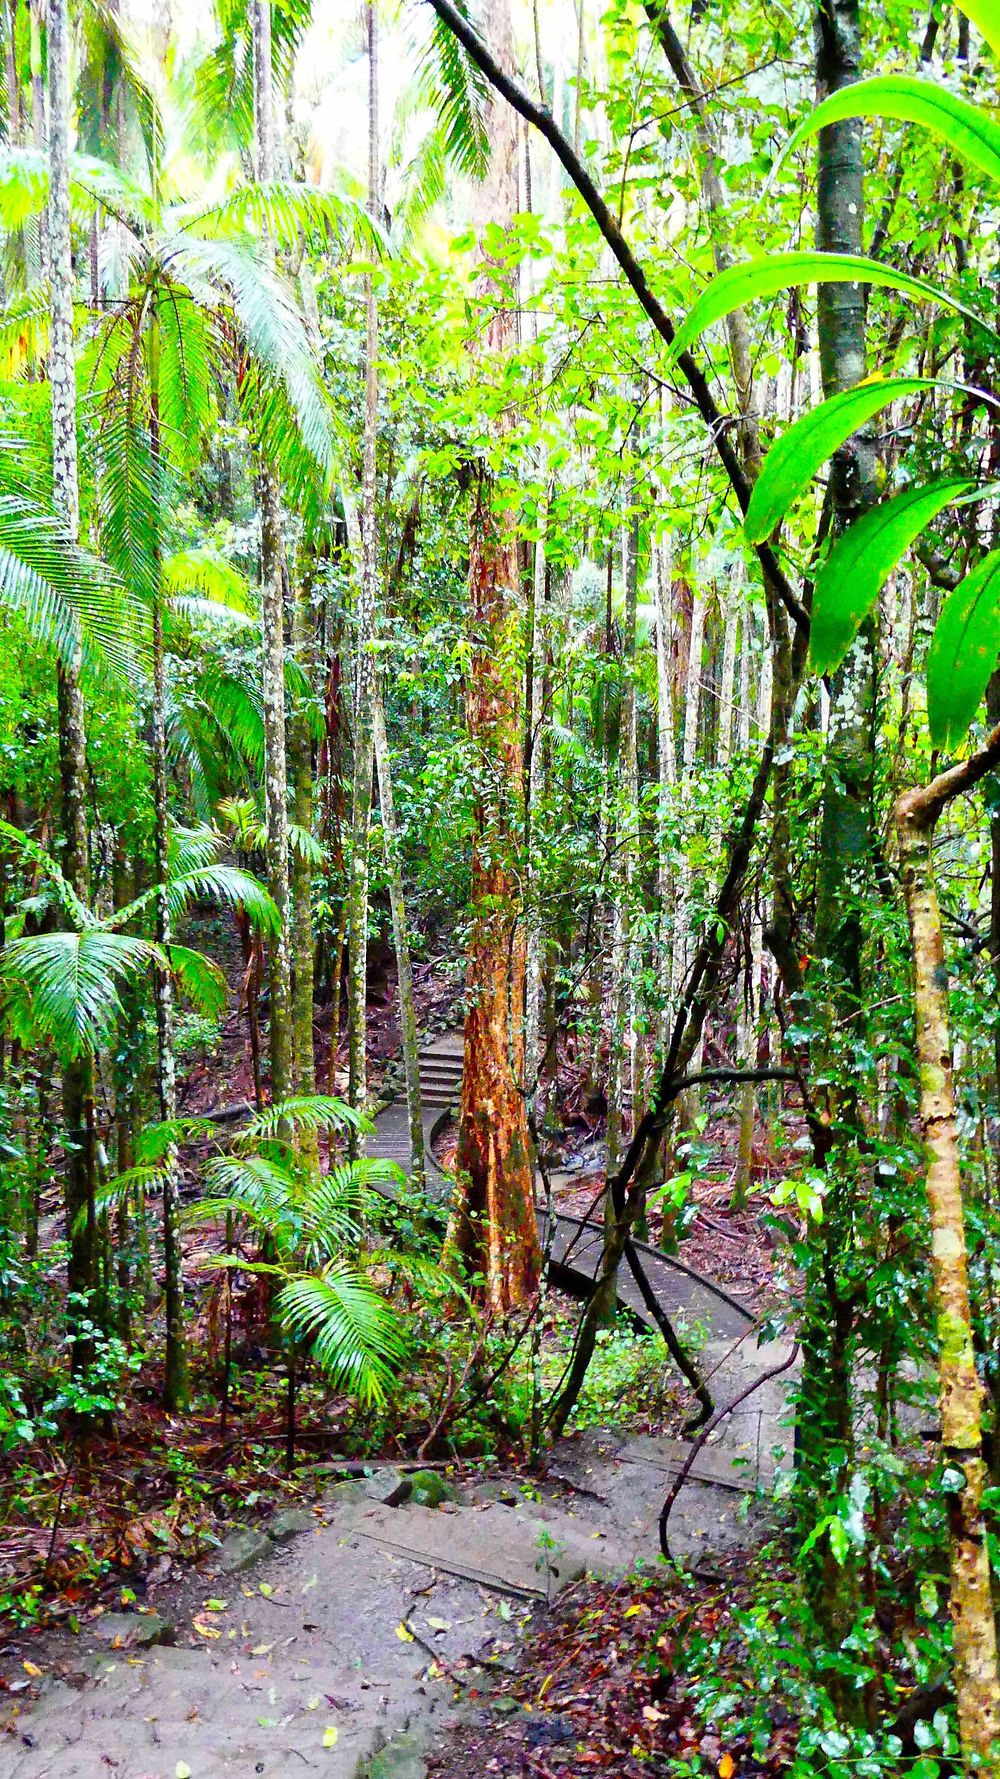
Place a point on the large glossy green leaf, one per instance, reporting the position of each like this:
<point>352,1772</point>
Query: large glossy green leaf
<point>985,15</point>
<point>860,562</point>
<point>969,130</point>
<point>963,652</point>
<point>765,277</point>
<point>794,458</point>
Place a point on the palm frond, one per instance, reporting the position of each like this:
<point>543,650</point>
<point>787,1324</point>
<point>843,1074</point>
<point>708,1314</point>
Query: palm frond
<point>202,981</point>
<point>136,1182</point>
<point>353,1334</point>
<point>225,884</point>
<point>308,1112</point>
<point>29,849</point>
<point>67,598</point>
<point>206,572</point>
<point>24,331</point>
<point>428,1277</point>
<point>129,495</point>
<point>155,1140</point>
<point>304,845</point>
<point>457,90</point>
<point>188,373</point>
<point>73,981</point>
<point>268,319</point>
<point>285,214</point>
<point>192,848</point>
<point>24,185</point>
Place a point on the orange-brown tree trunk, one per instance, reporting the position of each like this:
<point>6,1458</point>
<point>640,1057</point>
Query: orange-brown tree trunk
<point>493,1229</point>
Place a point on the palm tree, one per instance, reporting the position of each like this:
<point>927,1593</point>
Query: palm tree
<point>63,985</point>
<point>309,1231</point>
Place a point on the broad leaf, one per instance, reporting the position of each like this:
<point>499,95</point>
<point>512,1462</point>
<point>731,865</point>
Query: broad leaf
<point>794,458</point>
<point>963,652</point>
<point>985,15</point>
<point>860,562</point>
<point>765,277</point>
<point>968,130</point>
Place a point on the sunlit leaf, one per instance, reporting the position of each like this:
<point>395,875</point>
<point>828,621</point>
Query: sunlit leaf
<point>963,652</point>
<point>853,574</point>
<point>803,447</point>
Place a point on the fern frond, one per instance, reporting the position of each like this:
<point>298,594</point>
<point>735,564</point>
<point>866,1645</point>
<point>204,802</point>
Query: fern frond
<point>352,1333</point>
<point>309,1112</point>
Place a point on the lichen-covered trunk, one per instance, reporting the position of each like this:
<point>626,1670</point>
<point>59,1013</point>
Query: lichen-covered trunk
<point>78,1074</point>
<point>622,1032</point>
<point>401,940</point>
<point>276,787</point>
<point>977,1685</point>
<point>824,1442</point>
<point>300,883</point>
<point>175,1375</point>
<point>364,631</point>
<point>845,840</point>
<point>273,627</point>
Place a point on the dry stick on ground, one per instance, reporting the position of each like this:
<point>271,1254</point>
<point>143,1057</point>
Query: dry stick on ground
<point>977,1681</point>
<point>710,1426</point>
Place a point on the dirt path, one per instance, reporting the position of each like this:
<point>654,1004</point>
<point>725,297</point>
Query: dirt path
<point>351,1640</point>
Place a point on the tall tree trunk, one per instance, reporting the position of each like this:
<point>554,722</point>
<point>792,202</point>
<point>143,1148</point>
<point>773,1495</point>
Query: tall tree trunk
<point>273,660</point>
<point>977,1682</point>
<point>78,1075</point>
<point>748,1021</point>
<point>535,933</point>
<point>824,1426</point>
<point>300,880</point>
<point>493,1223</point>
<point>364,660</point>
<point>622,1002</point>
<point>667,775</point>
<point>409,1034</point>
<point>175,1375</point>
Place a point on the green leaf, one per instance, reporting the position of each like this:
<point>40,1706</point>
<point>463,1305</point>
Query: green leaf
<point>851,578</point>
<point>356,1339</point>
<point>968,130</point>
<point>73,980</point>
<point>985,15</point>
<point>794,458</point>
<point>201,979</point>
<point>840,1542</point>
<point>963,652</point>
<point>765,277</point>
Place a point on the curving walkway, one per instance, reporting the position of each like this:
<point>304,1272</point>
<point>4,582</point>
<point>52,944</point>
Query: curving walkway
<point>741,1452</point>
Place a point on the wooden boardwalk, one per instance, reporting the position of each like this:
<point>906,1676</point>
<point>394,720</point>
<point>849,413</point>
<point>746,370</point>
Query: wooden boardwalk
<point>700,1305</point>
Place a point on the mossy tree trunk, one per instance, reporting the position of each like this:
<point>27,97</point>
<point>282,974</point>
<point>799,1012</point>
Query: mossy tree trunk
<point>977,1680</point>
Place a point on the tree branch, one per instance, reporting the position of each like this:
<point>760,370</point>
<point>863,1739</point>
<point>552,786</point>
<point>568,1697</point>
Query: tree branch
<point>919,809</point>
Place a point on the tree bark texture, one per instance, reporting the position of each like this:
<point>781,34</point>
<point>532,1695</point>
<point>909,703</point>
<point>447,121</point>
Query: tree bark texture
<point>409,1034</point>
<point>273,657</point>
<point>977,1683</point>
<point>77,1075</point>
<point>364,660</point>
<point>493,1225</point>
